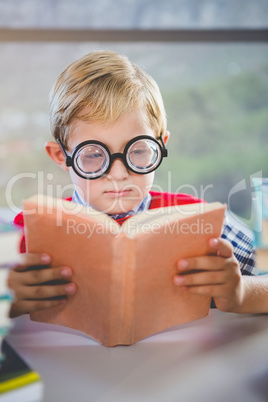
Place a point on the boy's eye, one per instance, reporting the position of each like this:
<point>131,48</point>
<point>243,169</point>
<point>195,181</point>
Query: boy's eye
<point>91,153</point>
<point>139,151</point>
<point>93,156</point>
<point>91,159</point>
<point>140,155</point>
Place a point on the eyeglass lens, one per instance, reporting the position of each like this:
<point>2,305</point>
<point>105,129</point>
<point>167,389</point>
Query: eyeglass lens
<point>92,158</point>
<point>142,154</point>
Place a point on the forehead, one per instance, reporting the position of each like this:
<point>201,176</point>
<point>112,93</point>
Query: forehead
<point>114,135</point>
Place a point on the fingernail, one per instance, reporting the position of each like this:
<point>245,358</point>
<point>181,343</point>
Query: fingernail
<point>179,280</point>
<point>66,272</point>
<point>45,258</point>
<point>70,288</point>
<point>213,242</point>
<point>183,264</point>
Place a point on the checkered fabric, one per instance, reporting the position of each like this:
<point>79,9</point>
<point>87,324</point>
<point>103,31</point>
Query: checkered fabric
<point>243,248</point>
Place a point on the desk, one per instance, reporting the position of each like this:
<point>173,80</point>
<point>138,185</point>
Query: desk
<point>223,357</point>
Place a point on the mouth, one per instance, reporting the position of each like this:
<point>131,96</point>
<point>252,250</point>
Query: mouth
<point>118,193</point>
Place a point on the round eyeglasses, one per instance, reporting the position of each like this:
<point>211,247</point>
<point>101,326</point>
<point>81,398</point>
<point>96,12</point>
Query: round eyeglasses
<point>93,159</point>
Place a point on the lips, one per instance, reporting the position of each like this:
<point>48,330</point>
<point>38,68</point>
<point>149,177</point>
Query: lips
<point>118,193</point>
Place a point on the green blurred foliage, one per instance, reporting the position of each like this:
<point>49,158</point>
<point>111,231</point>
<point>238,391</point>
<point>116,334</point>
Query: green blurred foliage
<point>219,136</point>
<point>216,99</point>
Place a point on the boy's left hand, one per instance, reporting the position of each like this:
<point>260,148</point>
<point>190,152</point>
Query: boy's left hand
<point>220,276</point>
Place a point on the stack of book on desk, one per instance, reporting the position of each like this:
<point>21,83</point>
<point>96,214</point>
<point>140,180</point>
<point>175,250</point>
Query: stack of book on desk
<point>261,223</point>
<point>8,257</point>
<point>18,382</point>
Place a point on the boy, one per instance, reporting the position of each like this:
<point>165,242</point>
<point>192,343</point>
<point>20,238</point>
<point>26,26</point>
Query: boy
<point>108,119</point>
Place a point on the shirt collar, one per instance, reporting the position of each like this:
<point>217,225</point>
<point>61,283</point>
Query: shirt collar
<point>144,205</point>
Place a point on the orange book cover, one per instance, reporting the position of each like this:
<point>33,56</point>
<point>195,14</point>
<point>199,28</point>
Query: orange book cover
<point>124,274</point>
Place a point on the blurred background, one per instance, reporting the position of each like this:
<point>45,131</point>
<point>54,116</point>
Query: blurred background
<point>215,91</point>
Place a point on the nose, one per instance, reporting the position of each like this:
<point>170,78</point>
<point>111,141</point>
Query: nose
<point>118,170</point>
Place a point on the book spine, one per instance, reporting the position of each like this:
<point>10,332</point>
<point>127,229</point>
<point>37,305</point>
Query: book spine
<point>20,381</point>
<point>122,292</point>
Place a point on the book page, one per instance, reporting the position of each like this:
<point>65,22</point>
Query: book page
<point>159,304</point>
<point>90,254</point>
<point>42,204</point>
<point>155,218</point>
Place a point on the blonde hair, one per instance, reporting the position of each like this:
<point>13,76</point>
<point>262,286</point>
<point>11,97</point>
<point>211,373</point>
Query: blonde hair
<point>100,88</point>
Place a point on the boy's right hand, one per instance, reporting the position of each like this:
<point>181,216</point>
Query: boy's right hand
<point>28,281</point>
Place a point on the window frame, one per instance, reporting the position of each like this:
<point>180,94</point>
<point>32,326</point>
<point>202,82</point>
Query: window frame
<point>133,35</point>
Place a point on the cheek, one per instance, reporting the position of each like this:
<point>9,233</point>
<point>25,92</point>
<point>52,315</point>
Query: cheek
<point>144,182</point>
<point>76,180</point>
<point>81,185</point>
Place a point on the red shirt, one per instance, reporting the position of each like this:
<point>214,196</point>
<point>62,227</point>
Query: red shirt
<point>159,200</point>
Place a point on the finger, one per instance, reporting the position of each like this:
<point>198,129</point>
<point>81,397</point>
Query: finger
<point>199,263</point>
<point>222,247</point>
<point>27,260</point>
<point>44,291</point>
<point>27,306</point>
<point>41,276</point>
<point>206,290</point>
<point>201,278</point>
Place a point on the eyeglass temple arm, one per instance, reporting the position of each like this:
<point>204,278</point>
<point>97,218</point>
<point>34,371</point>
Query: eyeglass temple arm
<point>164,149</point>
<point>68,159</point>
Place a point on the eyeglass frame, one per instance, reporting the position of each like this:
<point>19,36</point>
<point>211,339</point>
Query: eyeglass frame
<point>69,159</point>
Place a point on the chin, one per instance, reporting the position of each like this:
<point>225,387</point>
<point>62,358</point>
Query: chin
<point>119,208</point>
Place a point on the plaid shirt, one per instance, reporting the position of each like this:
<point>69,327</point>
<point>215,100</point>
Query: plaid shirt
<point>243,247</point>
<point>242,244</point>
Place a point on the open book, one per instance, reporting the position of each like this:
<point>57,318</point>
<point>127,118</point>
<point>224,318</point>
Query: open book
<point>124,274</point>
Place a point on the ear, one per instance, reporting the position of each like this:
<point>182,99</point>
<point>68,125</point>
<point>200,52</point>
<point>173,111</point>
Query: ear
<point>54,151</point>
<point>166,137</point>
